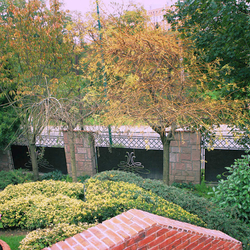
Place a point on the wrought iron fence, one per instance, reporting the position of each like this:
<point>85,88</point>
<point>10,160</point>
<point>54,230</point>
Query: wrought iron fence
<point>226,142</point>
<point>129,141</point>
<point>139,141</point>
<point>43,141</point>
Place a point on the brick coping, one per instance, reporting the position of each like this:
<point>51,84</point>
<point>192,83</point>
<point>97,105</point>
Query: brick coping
<point>136,229</point>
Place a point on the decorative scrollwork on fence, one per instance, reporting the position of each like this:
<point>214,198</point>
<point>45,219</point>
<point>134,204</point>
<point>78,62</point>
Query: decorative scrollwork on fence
<point>131,166</point>
<point>42,162</point>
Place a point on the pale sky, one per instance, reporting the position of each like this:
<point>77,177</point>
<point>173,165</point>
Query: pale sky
<point>85,5</point>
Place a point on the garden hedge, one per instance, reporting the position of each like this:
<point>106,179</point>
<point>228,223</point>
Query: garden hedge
<point>103,200</point>
<point>46,188</point>
<point>108,198</point>
<point>214,216</point>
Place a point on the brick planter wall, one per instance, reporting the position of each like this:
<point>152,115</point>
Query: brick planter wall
<point>185,158</point>
<point>139,230</point>
<point>84,152</point>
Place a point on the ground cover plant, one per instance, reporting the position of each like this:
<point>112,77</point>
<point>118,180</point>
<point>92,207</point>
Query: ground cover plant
<point>213,215</point>
<point>44,203</point>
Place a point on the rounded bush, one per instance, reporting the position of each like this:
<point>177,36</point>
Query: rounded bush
<point>235,190</point>
<point>107,199</point>
<point>39,211</point>
<point>55,210</point>
<point>103,200</point>
<point>42,238</point>
<point>47,188</point>
<point>14,212</point>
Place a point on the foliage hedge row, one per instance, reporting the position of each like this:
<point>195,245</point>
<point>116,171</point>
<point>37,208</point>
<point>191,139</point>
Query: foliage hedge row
<point>39,204</point>
<point>214,216</point>
<point>120,196</point>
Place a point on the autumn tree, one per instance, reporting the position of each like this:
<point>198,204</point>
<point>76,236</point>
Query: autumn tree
<point>220,29</point>
<point>78,101</point>
<point>38,51</point>
<point>153,78</point>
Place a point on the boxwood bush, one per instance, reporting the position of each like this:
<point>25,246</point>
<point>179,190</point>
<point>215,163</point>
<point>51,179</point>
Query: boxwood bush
<point>108,198</point>
<point>214,216</point>
<point>47,188</point>
<point>41,238</point>
<point>103,199</point>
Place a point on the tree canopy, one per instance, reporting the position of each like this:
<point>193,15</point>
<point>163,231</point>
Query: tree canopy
<point>220,29</point>
<point>153,77</point>
<point>35,51</point>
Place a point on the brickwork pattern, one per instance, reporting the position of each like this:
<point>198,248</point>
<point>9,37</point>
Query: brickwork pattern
<point>84,152</point>
<point>185,158</point>
<point>139,230</point>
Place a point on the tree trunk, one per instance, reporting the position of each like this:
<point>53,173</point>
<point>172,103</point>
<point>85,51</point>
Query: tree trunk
<point>166,154</point>
<point>33,158</point>
<point>71,138</point>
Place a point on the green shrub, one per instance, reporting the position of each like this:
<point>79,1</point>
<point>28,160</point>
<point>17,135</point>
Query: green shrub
<point>56,175</point>
<point>14,177</point>
<point>57,209</point>
<point>83,178</point>
<point>47,188</point>
<point>235,190</point>
<point>39,211</point>
<point>108,198</point>
<point>42,238</point>
<point>189,186</point>
<point>214,216</point>
<point>202,189</point>
<point>104,199</point>
<point>14,211</point>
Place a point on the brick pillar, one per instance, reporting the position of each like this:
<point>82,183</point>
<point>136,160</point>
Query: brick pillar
<point>6,161</point>
<point>185,158</point>
<point>84,152</point>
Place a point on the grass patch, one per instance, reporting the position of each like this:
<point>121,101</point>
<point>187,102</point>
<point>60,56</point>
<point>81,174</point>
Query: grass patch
<point>12,241</point>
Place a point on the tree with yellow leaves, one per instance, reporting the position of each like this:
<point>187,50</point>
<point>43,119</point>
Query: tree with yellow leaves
<point>38,51</point>
<point>152,78</point>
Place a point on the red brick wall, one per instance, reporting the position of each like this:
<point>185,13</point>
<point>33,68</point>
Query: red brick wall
<point>185,158</point>
<point>84,152</point>
<point>139,230</point>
